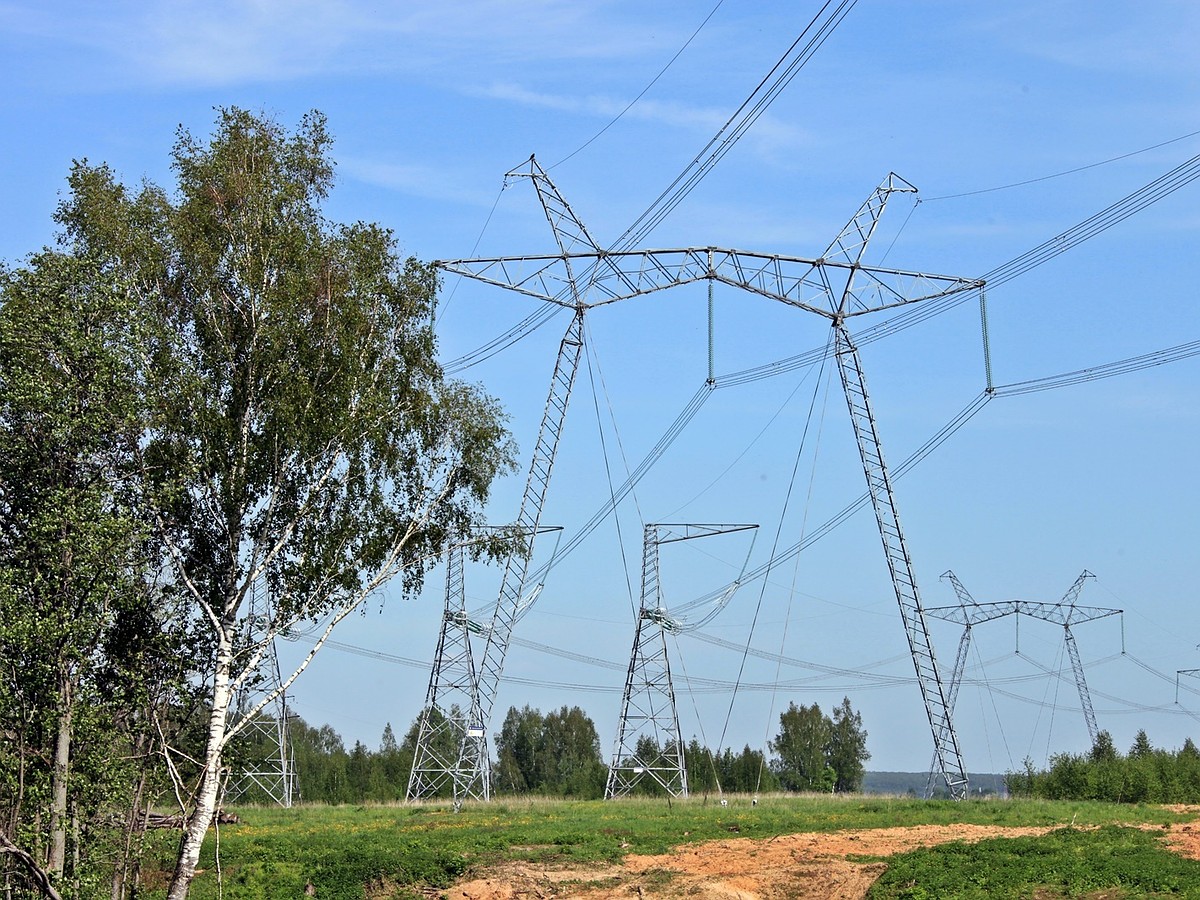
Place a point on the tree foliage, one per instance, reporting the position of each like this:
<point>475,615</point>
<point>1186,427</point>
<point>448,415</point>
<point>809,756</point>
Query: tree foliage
<point>848,752</point>
<point>85,654</point>
<point>517,747</point>
<point>1146,775</point>
<point>555,754</point>
<point>233,388</point>
<point>816,752</point>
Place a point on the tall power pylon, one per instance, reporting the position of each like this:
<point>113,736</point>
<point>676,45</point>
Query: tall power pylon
<point>1066,612</point>
<point>268,768</point>
<point>649,717</point>
<point>838,286</point>
<point>470,772</point>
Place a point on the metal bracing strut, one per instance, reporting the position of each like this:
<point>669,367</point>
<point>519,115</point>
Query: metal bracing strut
<point>837,286</point>
<point>1085,698</point>
<point>849,248</point>
<point>472,775</point>
<point>470,768</point>
<point>960,664</point>
<point>649,743</point>
<point>965,600</point>
<point>270,768</point>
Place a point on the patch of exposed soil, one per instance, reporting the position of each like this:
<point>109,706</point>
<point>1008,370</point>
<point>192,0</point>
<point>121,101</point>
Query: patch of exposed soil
<point>791,866</point>
<point>1184,838</point>
<point>797,866</point>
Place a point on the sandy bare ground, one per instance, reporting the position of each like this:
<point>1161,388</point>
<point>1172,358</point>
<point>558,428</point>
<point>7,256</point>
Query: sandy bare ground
<point>791,866</point>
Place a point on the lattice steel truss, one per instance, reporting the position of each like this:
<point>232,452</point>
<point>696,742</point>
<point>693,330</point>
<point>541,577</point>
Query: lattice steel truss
<point>649,744</point>
<point>451,693</point>
<point>838,286</point>
<point>470,772</point>
<point>443,726</point>
<point>1066,612</point>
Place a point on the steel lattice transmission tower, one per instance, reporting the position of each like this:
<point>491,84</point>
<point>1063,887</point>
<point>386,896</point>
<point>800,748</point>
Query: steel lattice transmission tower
<point>269,766</point>
<point>451,692</point>
<point>1066,612</point>
<point>453,688</point>
<point>838,286</point>
<point>470,771</point>
<point>649,716</point>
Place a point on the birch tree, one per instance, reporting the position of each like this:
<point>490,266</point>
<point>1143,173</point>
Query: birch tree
<point>802,746</point>
<point>305,444</point>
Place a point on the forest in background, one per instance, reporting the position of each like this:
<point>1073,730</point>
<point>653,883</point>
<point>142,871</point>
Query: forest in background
<point>558,754</point>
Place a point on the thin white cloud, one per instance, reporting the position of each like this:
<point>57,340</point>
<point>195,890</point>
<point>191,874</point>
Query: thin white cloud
<point>769,135</point>
<point>263,39</point>
<point>429,182</point>
<point>1139,39</point>
<point>674,114</point>
<point>223,42</point>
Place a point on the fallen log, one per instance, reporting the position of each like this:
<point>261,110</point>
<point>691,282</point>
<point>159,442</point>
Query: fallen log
<point>176,820</point>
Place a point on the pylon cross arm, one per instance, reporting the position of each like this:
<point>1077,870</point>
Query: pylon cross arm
<point>828,287</point>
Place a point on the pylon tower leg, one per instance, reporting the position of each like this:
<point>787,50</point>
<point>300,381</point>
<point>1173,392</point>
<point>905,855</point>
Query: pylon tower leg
<point>879,486</point>
<point>473,764</point>
<point>451,694</point>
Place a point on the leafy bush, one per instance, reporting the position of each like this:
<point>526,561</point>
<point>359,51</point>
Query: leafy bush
<point>1145,775</point>
<point>1069,862</point>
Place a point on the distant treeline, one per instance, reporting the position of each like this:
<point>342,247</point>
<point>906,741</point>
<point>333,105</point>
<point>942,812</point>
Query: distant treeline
<point>559,754</point>
<point>1144,775</point>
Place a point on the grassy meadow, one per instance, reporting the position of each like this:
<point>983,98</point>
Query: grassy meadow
<point>405,851</point>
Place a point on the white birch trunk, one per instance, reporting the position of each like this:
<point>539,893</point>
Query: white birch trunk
<point>210,782</point>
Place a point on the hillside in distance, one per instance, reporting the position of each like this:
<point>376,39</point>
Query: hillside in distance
<point>914,783</point>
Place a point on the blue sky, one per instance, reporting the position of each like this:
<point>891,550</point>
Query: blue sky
<point>432,103</point>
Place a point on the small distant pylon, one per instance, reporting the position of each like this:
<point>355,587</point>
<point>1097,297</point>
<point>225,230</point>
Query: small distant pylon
<point>1066,612</point>
<point>438,762</point>
<point>267,769</point>
<point>649,744</point>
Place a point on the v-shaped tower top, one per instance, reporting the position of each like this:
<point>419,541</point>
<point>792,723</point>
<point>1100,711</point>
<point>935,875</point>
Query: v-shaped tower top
<point>836,285</point>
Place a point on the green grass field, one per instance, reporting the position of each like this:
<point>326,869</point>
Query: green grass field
<point>275,853</point>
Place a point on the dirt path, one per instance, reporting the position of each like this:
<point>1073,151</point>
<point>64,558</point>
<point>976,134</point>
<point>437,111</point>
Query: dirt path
<point>791,866</point>
<point>796,866</point>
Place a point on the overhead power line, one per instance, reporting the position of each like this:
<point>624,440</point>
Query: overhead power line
<point>781,74</point>
<point>1183,174</point>
<point>1107,370</point>
<point>779,77</point>
<point>642,93</point>
<point>1157,189</point>
<point>1077,169</point>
